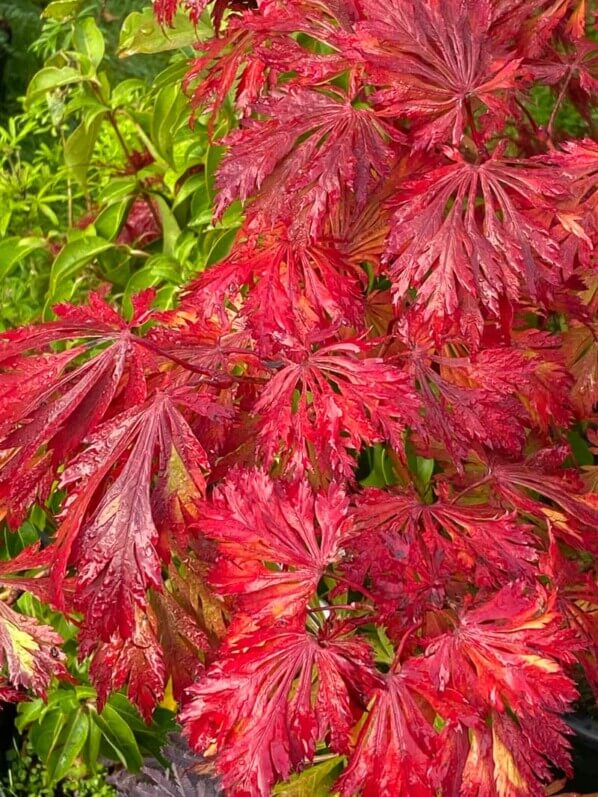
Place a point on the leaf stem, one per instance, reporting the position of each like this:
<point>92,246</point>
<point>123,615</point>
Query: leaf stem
<point>557,105</point>
<point>348,607</point>
<point>471,487</point>
<point>353,585</point>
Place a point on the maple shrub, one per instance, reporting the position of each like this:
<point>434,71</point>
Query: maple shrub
<point>340,497</point>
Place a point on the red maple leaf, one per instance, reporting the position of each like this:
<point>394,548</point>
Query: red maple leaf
<point>435,64</point>
<point>449,248</point>
<point>30,651</point>
<point>397,746</point>
<point>322,404</point>
<point>111,536</point>
<point>64,401</point>
<point>506,655</point>
<point>403,537</point>
<point>137,662</point>
<point>575,69</point>
<point>580,349</point>
<point>577,220</point>
<point>165,10</point>
<point>205,465</point>
<point>295,286</point>
<point>271,697</point>
<point>276,540</point>
<point>466,405</point>
<point>572,511</point>
<point>303,153</point>
<point>181,636</point>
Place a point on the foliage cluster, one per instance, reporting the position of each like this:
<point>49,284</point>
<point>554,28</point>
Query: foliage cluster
<point>337,495</point>
<point>84,203</point>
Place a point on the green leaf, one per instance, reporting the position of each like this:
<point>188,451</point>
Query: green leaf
<point>213,157</point>
<point>110,220</point>
<point>29,712</point>
<point>117,188</point>
<point>45,735</point>
<point>13,250</point>
<point>48,79</point>
<point>157,270</point>
<point>119,737</point>
<point>581,449</point>
<point>172,75</point>
<point>166,297</point>
<point>72,259</point>
<point>170,227</point>
<point>61,9</point>
<point>150,738</point>
<point>381,473</point>
<point>221,246</point>
<point>79,147</point>
<point>193,184</point>
<point>316,781</point>
<point>92,748</point>
<point>141,33</point>
<point>383,648</point>
<point>13,542</point>
<point>88,40</point>
<point>69,747</point>
<point>169,109</point>
<point>424,470</point>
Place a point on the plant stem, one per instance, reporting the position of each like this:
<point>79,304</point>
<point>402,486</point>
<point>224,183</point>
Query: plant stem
<point>348,607</point>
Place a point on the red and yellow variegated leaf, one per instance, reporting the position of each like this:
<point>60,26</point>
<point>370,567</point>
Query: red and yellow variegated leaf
<point>271,697</point>
<point>276,540</point>
<point>30,651</point>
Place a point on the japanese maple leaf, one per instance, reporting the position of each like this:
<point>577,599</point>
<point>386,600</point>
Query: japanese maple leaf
<point>397,746</point>
<point>507,758</point>
<point>532,369</point>
<point>30,559</point>
<point>577,67</point>
<point>8,694</point>
<point>360,232</point>
<point>227,61</point>
<point>578,602</point>
<point>435,63</point>
<point>190,618</point>
<point>294,286</point>
<point>478,541</point>
<point>140,459</point>
<point>495,547</point>
<point>259,44</point>
<point>51,402</point>
<point>406,574</point>
<point>321,405</point>
<point>463,408</point>
<point>137,662</point>
<point>306,149</point>
<point>271,697</point>
<point>580,348</point>
<point>30,651</point>
<point>571,511</point>
<point>165,10</point>
<point>506,655</point>
<point>506,651</point>
<point>449,248</point>
<point>276,540</point>
<point>181,638</point>
<point>577,220</point>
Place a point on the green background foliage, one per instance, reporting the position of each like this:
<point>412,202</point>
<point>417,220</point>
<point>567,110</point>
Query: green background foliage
<point>103,185</point>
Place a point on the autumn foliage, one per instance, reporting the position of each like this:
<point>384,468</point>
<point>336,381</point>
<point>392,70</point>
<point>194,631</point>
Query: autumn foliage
<point>331,494</point>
